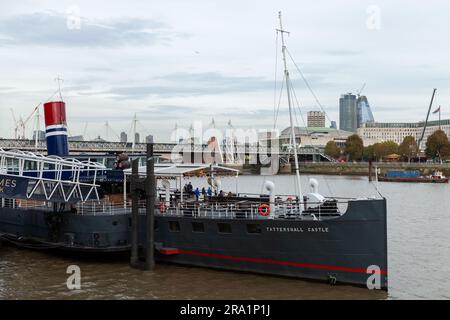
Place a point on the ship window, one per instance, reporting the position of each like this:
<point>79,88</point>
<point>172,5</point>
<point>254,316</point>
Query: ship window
<point>224,227</point>
<point>253,228</point>
<point>156,225</point>
<point>198,227</point>
<point>174,226</point>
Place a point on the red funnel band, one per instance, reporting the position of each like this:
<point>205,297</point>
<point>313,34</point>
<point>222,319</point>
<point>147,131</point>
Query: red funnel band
<point>55,113</point>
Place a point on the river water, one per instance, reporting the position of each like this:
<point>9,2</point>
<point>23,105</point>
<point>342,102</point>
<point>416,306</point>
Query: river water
<point>418,245</point>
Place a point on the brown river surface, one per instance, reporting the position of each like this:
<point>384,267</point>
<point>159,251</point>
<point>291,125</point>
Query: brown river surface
<point>418,245</point>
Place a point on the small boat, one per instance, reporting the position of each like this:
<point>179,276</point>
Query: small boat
<point>413,176</point>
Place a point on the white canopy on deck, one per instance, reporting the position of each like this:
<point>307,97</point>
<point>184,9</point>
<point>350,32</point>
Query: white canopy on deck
<point>173,170</point>
<point>179,171</point>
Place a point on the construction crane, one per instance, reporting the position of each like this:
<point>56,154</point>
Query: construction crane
<point>426,120</point>
<point>24,123</point>
<point>20,125</point>
<point>16,123</point>
<point>360,90</point>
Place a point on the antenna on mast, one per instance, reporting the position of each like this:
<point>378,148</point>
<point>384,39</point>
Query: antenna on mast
<point>59,80</point>
<point>291,119</point>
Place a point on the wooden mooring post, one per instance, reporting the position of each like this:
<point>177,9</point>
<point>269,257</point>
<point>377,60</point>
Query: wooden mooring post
<point>146,186</point>
<point>150,191</point>
<point>370,170</point>
<point>134,260</point>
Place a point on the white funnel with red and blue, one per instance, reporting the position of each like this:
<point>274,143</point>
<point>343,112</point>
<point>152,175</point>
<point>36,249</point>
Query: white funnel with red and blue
<point>56,128</point>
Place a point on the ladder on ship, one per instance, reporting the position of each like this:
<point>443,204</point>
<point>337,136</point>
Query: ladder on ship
<point>32,176</point>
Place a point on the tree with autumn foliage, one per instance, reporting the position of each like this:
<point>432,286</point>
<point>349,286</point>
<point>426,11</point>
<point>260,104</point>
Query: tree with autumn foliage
<point>332,150</point>
<point>438,146</point>
<point>354,147</point>
<point>408,148</point>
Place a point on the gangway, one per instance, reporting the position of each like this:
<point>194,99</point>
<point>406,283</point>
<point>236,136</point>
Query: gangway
<point>32,176</point>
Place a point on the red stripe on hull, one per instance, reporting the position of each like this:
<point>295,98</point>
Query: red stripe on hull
<point>277,262</point>
<point>168,252</point>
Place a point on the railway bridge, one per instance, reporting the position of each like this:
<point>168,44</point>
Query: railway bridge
<point>239,153</point>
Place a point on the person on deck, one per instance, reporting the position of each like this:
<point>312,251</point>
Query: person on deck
<point>190,187</point>
<point>197,194</point>
<point>204,193</point>
<point>209,192</point>
<point>221,194</point>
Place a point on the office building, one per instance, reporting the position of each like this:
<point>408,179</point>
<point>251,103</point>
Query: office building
<point>397,131</point>
<point>149,139</point>
<point>123,137</point>
<point>316,119</point>
<point>348,113</point>
<point>364,112</point>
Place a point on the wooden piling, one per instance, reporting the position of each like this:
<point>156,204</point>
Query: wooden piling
<point>134,260</point>
<point>150,188</point>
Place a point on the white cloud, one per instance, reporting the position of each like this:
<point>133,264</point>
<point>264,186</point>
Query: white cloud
<point>179,61</point>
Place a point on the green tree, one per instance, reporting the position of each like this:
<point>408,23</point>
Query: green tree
<point>379,151</point>
<point>354,147</point>
<point>438,146</point>
<point>332,150</point>
<point>408,148</point>
<point>368,153</point>
<point>390,147</point>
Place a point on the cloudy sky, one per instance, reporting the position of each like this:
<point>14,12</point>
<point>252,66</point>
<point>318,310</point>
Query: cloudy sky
<point>174,62</point>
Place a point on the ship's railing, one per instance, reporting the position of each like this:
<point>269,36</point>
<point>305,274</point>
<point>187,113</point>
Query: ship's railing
<point>224,210</point>
<point>212,209</point>
<point>49,177</point>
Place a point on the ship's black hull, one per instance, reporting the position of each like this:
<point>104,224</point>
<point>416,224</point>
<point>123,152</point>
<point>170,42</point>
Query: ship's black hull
<point>339,249</point>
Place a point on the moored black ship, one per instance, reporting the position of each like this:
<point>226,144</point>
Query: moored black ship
<point>61,202</point>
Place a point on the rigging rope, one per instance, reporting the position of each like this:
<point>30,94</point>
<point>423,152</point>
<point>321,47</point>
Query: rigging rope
<point>275,82</point>
<point>312,91</point>
<point>321,107</point>
<point>306,129</point>
<point>279,102</point>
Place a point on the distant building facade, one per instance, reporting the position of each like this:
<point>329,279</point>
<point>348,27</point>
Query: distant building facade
<point>316,119</point>
<point>136,137</point>
<point>40,135</point>
<point>149,139</point>
<point>364,113</point>
<point>123,137</point>
<point>333,125</point>
<point>397,131</point>
<point>75,138</point>
<point>348,113</point>
<point>316,137</point>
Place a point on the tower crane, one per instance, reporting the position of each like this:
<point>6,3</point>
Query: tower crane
<point>20,125</point>
<point>360,90</point>
<point>16,123</point>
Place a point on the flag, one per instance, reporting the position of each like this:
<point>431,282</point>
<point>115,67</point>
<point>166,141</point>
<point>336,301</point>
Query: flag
<point>437,110</point>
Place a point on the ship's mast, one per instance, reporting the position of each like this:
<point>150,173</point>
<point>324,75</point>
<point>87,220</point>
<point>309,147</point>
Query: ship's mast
<point>286,75</point>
